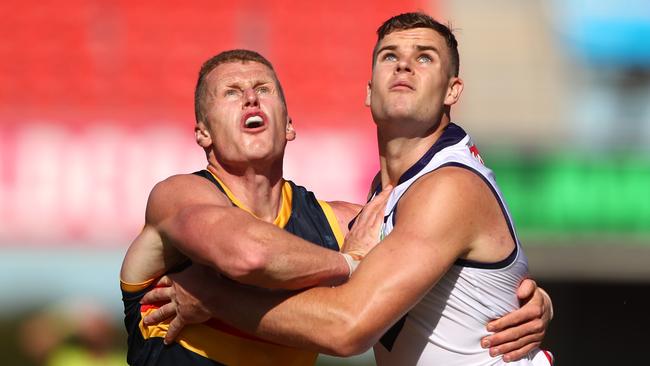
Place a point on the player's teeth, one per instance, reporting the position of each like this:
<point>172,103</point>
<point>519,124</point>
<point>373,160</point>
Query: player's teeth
<point>253,119</point>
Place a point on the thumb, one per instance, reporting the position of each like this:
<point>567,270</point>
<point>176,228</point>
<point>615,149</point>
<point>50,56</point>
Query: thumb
<point>526,289</point>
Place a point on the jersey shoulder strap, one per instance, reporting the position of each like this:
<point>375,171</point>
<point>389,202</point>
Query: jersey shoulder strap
<point>207,175</point>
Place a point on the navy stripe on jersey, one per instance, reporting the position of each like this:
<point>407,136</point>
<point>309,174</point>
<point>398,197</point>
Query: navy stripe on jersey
<point>450,136</point>
<point>496,265</point>
<point>206,174</point>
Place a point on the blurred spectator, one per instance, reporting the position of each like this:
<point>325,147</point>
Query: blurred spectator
<point>72,333</point>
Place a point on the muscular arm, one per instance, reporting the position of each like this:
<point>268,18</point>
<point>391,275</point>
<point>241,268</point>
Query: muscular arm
<point>351,318</point>
<point>188,214</point>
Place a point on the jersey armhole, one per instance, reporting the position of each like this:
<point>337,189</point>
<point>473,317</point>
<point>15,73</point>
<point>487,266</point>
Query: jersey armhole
<point>135,287</point>
<point>334,223</point>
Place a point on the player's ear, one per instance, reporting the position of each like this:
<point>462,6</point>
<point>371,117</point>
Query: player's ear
<point>454,90</point>
<point>202,135</point>
<point>290,131</point>
<point>368,94</point>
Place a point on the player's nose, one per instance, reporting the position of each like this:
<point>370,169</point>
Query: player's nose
<point>250,98</point>
<point>403,65</point>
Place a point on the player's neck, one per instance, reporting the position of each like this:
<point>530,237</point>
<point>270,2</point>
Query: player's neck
<point>398,151</point>
<point>258,190</point>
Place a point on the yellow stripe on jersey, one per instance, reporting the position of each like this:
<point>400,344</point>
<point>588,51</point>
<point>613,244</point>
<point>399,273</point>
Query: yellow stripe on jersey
<point>285,206</point>
<point>229,349</point>
<point>134,287</point>
<point>334,223</point>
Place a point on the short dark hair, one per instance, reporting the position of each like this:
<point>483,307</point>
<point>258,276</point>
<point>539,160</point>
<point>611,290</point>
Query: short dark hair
<point>419,20</point>
<point>237,55</point>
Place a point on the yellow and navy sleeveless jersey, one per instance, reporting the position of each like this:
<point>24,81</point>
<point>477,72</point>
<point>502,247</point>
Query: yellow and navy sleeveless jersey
<point>214,342</point>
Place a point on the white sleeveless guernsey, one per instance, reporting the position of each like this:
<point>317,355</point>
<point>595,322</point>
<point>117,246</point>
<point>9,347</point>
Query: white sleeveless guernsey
<point>446,326</point>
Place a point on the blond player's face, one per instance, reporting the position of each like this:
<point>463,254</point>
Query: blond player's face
<point>410,79</point>
<point>246,118</point>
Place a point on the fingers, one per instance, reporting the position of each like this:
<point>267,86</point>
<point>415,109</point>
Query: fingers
<point>374,210</point>
<point>534,328</point>
<point>514,351</point>
<point>530,311</point>
<point>522,330</point>
<point>515,318</point>
<point>174,330</point>
<point>164,281</point>
<point>379,201</point>
<point>159,294</point>
<point>161,314</point>
<point>526,289</point>
<point>385,192</point>
<point>548,304</point>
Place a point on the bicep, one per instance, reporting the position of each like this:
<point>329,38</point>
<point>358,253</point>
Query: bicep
<point>171,205</point>
<point>171,196</point>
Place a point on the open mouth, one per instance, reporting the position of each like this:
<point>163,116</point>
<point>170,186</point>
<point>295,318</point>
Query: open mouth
<point>254,122</point>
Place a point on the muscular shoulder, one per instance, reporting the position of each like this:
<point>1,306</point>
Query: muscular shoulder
<point>179,191</point>
<point>450,183</point>
<point>445,204</point>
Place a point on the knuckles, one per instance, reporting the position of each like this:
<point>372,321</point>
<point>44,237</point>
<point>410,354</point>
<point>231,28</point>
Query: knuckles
<point>538,326</point>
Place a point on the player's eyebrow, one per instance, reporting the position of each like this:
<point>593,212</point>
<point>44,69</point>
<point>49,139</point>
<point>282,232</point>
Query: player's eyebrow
<point>387,48</point>
<point>418,47</point>
<point>428,48</point>
<point>242,85</point>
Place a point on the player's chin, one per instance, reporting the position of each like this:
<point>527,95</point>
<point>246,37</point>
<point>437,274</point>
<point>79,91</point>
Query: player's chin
<point>265,152</point>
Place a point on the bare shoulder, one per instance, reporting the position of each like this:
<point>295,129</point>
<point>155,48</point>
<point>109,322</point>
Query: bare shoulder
<point>450,183</point>
<point>179,191</point>
<point>451,195</point>
<point>345,211</point>
<point>148,255</point>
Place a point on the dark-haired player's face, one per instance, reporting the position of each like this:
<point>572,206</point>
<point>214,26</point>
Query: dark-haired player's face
<point>246,118</point>
<point>410,79</point>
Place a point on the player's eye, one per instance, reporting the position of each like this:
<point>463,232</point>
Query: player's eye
<point>231,92</point>
<point>263,90</point>
<point>389,57</point>
<point>424,59</point>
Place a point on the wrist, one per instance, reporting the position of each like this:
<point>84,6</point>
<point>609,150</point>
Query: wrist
<point>352,261</point>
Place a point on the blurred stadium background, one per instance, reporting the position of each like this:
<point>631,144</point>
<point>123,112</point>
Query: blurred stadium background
<point>96,106</point>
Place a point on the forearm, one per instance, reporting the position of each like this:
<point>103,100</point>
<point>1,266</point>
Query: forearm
<point>342,321</point>
<point>321,319</point>
<point>251,251</point>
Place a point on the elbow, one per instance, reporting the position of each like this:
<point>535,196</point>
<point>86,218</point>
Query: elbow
<point>350,338</point>
<point>242,266</point>
<point>198,231</point>
<point>346,350</point>
<point>246,260</point>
